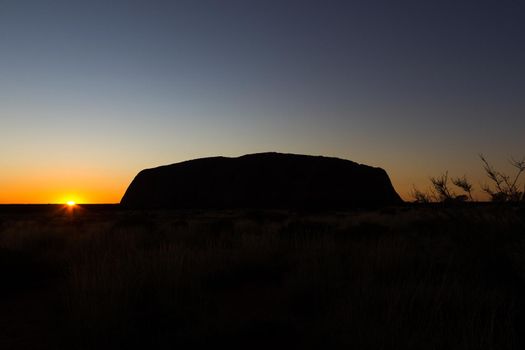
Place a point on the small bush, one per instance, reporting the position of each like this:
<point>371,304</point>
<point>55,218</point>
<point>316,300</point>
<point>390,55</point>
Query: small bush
<point>505,188</point>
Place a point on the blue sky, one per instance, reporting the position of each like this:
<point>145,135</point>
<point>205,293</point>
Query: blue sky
<point>93,91</point>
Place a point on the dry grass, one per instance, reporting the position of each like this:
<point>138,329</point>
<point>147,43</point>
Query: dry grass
<point>397,279</point>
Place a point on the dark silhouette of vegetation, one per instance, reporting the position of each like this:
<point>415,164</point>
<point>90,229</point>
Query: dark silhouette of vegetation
<point>441,188</point>
<point>505,188</point>
<point>420,196</point>
<point>441,191</point>
<point>465,185</point>
<point>419,279</point>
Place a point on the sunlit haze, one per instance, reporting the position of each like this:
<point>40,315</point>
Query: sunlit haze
<point>91,92</point>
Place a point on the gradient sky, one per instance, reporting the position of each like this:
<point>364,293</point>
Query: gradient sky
<point>93,91</point>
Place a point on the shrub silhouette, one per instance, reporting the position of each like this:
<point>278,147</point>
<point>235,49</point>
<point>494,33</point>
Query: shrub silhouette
<point>505,188</point>
<point>441,191</point>
<point>465,185</point>
<point>441,188</point>
<point>420,196</point>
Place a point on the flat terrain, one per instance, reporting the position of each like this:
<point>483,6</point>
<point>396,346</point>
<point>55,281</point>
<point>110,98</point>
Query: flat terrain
<point>98,277</point>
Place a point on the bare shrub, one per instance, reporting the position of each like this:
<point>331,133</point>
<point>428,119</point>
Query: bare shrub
<point>506,188</point>
<point>420,196</point>
<point>441,187</point>
<point>465,185</point>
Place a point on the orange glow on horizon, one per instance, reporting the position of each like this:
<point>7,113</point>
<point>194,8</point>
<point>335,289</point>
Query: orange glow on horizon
<point>96,185</point>
<point>104,191</point>
<point>48,189</point>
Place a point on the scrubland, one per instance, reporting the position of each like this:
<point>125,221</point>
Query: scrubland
<point>412,277</point>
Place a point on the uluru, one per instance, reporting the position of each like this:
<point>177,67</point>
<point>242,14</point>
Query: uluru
<point>262,180</point>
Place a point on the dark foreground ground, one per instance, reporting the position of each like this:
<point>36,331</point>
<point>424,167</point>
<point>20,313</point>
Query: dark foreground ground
<point>401,278</point>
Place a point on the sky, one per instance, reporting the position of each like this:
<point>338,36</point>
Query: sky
<point>91,92</point>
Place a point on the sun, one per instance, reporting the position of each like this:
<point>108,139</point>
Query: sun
<point>70,201</point>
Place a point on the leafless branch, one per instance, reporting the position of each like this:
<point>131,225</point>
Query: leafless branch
<point>464,184</point>
<point>507,188</point>
<point>420,197</point>
<point>440,185</point>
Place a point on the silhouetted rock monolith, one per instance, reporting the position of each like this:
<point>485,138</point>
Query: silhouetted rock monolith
<point>263,180</point>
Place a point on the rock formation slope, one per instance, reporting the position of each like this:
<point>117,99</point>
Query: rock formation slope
<point>263,180</point>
